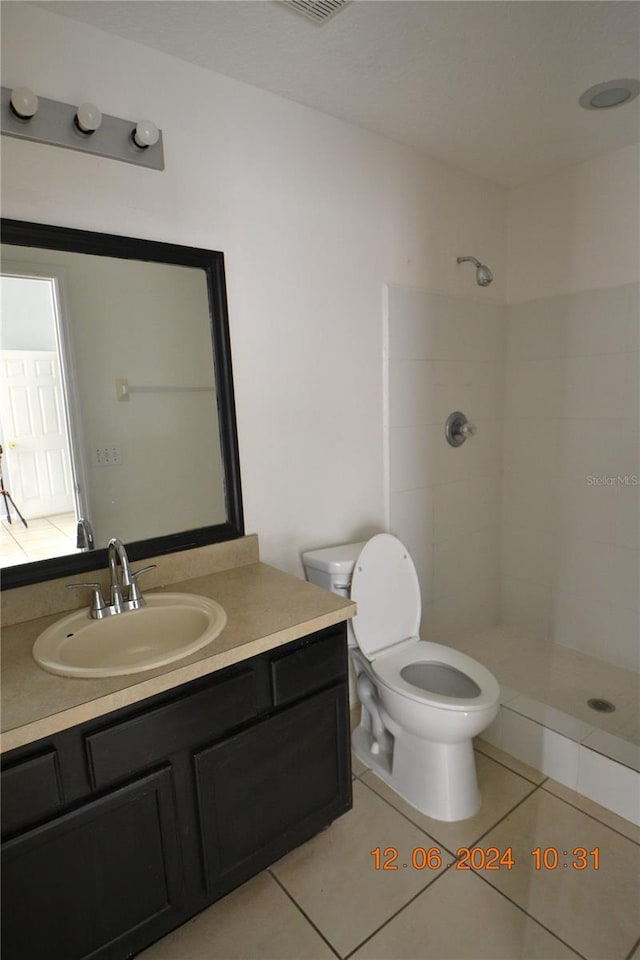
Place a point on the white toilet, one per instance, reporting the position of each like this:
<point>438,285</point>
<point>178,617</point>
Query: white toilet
<point>422,703</point>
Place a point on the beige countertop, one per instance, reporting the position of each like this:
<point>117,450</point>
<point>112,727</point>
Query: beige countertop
<point>265,609</point>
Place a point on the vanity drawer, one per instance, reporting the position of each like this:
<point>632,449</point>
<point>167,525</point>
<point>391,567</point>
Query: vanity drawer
<point>31,791</point>
<point>196,717</point>
<point>322,660</point>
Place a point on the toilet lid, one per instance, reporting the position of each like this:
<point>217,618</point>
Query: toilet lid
<point>386,589</point>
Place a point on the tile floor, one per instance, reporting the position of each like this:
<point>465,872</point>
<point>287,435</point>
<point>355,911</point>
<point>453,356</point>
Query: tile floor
<point>44,537</point>
<point>326,899</point>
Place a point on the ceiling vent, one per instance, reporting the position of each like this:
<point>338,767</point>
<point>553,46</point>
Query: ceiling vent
<point>317,10</point>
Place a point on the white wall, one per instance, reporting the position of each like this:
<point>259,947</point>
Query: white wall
<point>571,499</point>
<point>314,217</point>
<point>577,229</point>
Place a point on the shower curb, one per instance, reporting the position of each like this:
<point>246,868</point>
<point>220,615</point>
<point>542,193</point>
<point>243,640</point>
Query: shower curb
<point>602,767</point>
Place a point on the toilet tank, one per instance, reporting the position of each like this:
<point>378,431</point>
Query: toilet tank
<point>332,567</point>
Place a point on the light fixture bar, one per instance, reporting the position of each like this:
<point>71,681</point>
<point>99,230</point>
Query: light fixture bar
<point>54,123</point>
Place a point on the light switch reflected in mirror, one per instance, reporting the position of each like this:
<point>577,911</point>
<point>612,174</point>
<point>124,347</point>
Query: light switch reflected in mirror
<point>156,464</point>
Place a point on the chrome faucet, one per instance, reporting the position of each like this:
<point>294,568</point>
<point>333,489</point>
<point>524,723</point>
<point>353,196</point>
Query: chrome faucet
<point>124,593</point>
<point>119,584</point>
<point>84,535</point>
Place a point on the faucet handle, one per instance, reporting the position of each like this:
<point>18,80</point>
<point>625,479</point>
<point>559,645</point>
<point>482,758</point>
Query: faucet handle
<point>96,610</point>
<point>135,596</point>
<point>138,573</point>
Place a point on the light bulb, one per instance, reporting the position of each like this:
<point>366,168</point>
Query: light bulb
<point>88,118</point>
<point>145,134</point>
<point>24,102</point>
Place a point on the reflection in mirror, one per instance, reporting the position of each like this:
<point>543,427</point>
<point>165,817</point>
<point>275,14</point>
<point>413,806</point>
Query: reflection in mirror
<point>116,415</point>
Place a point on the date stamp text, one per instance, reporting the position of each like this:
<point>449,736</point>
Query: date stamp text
<point>484,858</point>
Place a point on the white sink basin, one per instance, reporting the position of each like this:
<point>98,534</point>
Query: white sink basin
<point>171,626</point>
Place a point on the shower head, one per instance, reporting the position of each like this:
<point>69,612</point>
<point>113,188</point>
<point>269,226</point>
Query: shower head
<point>483,274</point>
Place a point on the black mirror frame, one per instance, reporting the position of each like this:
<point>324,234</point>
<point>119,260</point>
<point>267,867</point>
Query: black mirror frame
<point>20,233</point>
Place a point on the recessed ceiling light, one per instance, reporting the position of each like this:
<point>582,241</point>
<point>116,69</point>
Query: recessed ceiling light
<point>613,93</point>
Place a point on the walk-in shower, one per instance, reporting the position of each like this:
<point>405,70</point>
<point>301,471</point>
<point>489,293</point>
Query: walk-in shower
<point>526,538</point>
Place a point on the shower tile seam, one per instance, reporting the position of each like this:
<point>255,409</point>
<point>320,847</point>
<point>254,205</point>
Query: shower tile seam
<point>561,733</point>
<point>528,716</point>
<point>600,753</point>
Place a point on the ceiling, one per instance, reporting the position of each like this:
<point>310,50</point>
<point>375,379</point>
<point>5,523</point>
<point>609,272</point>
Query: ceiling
<point>490,86</point>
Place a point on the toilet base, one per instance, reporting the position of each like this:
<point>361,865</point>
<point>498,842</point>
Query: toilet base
<point>361,744</point>
<point>438,779</point>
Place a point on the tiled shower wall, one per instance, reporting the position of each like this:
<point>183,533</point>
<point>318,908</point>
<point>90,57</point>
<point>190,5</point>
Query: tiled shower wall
<point>570,508</point>
<point>533,522</point>
<point>444,354</point>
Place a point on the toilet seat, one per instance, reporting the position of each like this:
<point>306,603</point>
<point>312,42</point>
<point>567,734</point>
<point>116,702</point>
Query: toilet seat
<point>388,667</point>
<point>386,589</point>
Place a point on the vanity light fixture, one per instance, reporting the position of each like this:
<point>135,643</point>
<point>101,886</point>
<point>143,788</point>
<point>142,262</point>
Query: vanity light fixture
<point>145,134</point>
<point>84,128</point>
<point>24,103</point>
<point>88,118</point>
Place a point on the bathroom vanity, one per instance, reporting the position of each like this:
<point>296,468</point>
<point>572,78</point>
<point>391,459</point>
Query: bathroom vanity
<point>119,828</point>
<point>132,802</point>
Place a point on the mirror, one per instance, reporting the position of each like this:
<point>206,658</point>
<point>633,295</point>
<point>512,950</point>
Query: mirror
<point>116,400</point>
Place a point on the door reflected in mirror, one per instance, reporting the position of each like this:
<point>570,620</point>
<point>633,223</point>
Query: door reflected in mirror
<point>116,399</point>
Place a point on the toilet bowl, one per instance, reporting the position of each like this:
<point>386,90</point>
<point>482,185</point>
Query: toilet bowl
<point>422,702</point>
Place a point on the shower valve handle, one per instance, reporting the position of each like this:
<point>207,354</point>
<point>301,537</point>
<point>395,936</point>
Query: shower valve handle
<point>458,428</point>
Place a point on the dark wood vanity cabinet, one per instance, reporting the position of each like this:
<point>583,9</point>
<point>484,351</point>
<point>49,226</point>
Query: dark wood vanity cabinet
<point>117,831</point>
<point>105,874</point>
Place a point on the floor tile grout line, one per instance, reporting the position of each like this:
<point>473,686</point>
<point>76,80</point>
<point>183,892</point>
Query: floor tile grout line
<point>5,529</point>
<point>300,910</point>
<point>527,914</point>
<point>434,880</point>
<point>508,813</point>
<point>486,879</point>
<point>591,816</point>
<point>535,787</point>
<point>538,783</point>
<point>408,819</point>
<point>474,842</point>
<point>538,786</point>
<point>442,873</point>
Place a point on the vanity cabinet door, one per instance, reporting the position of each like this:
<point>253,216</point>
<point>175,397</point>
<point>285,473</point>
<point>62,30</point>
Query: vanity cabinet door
<point>101,881</point>
<point>267,789</point>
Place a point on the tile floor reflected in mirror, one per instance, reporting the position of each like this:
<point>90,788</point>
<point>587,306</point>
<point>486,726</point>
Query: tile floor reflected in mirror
<point>326,899</point>
<point>41,539</point>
